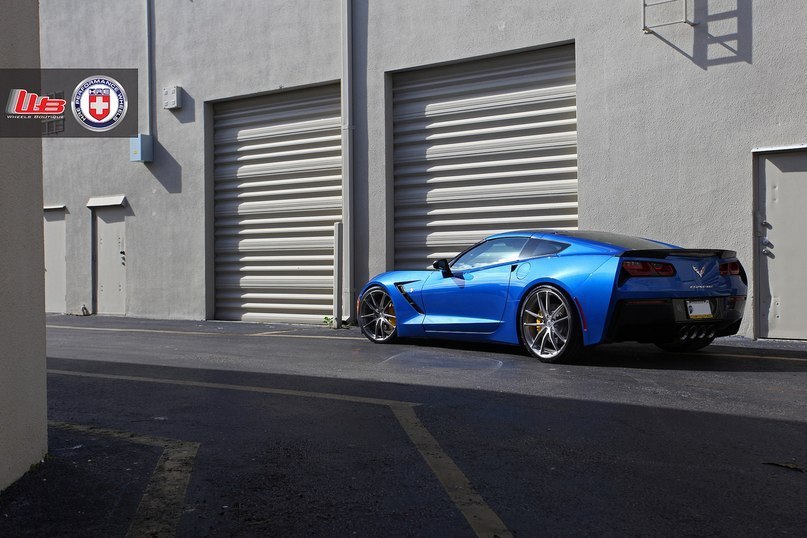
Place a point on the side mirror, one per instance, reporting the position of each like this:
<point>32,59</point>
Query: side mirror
<point>442,265</point>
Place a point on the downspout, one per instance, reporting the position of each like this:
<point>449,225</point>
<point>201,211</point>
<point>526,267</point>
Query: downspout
<point>149,68</point>
<point>347,159</point>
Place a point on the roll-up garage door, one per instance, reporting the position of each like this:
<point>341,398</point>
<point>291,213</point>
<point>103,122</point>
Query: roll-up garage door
<point>483,147</point>
<point>278,193</point>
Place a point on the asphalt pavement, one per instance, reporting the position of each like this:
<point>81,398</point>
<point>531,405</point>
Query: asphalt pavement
<point>163,428</point>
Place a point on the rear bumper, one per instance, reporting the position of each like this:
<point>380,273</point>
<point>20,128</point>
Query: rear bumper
<point>662,320</point>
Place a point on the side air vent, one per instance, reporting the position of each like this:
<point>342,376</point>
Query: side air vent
<point>412,303</point>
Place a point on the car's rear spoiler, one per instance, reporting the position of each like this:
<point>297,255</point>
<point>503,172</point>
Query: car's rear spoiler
<point>679,252</point>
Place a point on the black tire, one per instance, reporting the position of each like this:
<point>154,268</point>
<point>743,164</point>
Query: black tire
<point>685,347</point>
<point>377,316</point>
<point>548,326</point>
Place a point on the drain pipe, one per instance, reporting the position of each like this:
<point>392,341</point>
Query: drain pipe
<point>141,147</point>
<point>149,68</point>
<point>347,159</point>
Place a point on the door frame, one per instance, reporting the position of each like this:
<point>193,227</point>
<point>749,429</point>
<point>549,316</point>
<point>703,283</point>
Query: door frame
<point>94,204</point>
<point>756,155</point>
<point>51,210</point>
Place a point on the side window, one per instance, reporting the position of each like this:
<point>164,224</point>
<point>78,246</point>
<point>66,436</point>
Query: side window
<point>490,252</point>
<point>541,247</point>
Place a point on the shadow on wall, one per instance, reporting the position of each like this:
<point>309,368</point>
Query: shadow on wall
<point>722,33</point>
<point>186,114</point>
<point>166,169</point>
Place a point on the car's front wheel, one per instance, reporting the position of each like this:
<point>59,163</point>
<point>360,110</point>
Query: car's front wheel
<point>377,316</point>
<point>549,330</point>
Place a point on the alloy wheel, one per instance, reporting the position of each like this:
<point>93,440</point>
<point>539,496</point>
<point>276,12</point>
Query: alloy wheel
<point>377,316</point>
<point>547,324</point>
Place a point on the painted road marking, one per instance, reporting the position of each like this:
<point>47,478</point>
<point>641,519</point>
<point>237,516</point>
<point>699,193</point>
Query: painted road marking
<point>284,334</point>
<point>481,517</point>
<point>758,357</point>
<point>314,336</point>
<point>279,334</point>
<point>243,388</point>
<point>121,330</point>
<point>163,502</point>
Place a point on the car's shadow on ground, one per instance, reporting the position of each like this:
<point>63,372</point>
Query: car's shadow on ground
<point>714,358</point>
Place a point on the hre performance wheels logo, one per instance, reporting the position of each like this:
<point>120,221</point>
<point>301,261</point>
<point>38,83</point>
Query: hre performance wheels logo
<point>99,103</point>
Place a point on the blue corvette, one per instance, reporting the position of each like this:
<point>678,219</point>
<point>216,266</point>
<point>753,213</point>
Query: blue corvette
<point>555,292</point>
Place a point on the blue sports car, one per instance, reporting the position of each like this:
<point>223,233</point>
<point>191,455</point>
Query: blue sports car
<point>555,292</point>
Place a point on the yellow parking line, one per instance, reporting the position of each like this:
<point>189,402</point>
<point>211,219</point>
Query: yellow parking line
<point>243,388</point>
<point>757,357</point>
<point>307,336</point>
<point>285,334</point>
<point>477,513</point>
<point>279,334</point>
<point>163,502</point>
<point>121,330</point>
<point>481,517</point>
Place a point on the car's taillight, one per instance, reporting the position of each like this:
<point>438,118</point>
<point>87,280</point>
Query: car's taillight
<point>637,268</point>
<point>729,268</point>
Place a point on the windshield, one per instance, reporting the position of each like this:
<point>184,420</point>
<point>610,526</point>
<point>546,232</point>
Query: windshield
<point>490,253</point>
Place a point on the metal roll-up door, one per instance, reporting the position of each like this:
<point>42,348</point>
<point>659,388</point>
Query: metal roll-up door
<point>483,147</point>
<point>278,193</point>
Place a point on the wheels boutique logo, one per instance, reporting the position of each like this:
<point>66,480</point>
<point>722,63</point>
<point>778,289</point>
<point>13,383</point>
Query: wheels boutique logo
<point>99,103</point>
<point>24,104</point>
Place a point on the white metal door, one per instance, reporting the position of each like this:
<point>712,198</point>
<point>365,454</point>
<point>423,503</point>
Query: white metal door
<point>278,193</point>
<point>55,261</point>
<point>110,260</point>
<point>483,147</point>
<point>782,251</point>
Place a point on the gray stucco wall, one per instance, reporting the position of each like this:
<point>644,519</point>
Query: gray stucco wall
<point>667,121</point>
<point>23,409</point>
<point>671,156</point>
<point>214,50</point>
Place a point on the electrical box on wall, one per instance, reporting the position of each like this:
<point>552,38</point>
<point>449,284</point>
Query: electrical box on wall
<point>141,148</point>
<point>172,98</point>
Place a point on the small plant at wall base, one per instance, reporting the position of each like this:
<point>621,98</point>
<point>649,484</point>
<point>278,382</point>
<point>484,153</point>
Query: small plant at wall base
<point>329,321</point>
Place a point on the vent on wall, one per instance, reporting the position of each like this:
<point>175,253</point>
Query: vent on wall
<point>664,13</point>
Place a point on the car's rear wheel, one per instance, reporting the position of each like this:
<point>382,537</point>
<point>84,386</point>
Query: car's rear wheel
<point>377,316</point>
<point>549,329</point>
